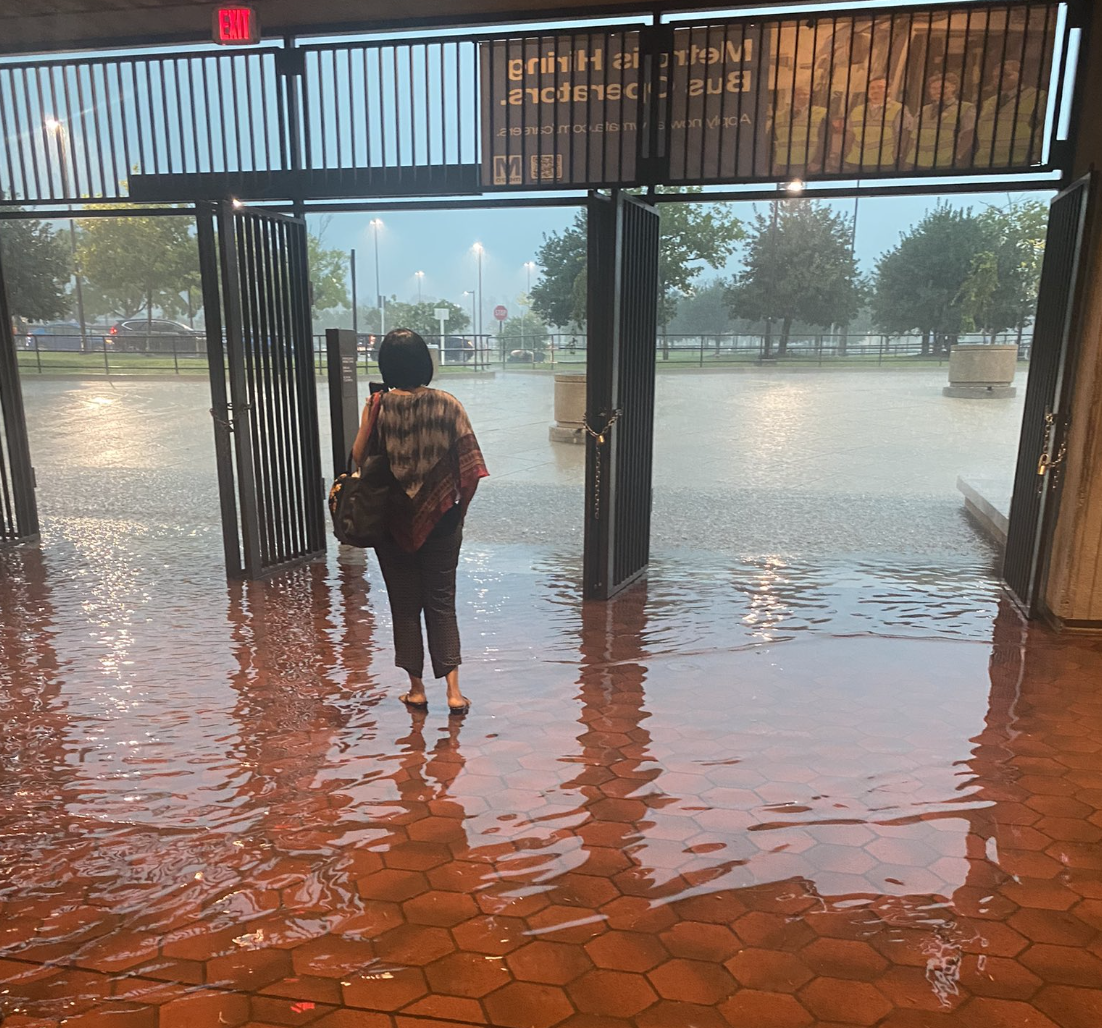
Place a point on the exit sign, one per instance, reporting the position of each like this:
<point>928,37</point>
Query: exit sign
<point>236,26</point>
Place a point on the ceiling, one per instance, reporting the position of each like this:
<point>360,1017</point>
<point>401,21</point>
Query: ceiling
<point>44,25</point>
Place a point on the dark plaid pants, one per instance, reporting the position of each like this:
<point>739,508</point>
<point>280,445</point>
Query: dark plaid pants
<point>424,582</point>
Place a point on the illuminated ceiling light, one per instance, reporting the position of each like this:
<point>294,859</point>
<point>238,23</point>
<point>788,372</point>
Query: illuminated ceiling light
<point>796,186</point>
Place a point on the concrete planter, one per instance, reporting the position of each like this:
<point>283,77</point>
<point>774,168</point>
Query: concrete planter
<point>570,393</point>
<point>982,372</point>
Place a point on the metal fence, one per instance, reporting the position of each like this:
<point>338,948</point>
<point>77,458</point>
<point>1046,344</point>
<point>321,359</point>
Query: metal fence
<point>708,350</point>
<point>390,104</point>
<point>180,355</point>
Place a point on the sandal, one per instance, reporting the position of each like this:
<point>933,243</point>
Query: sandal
<point>414,704</point>
<point>458,711</point>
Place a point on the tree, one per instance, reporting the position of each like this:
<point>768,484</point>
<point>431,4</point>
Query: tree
<point>940,266</point>
<point>526,331</point>
<point>37,268</point>
<point>799,266</point>
<point>693,236</point>
<point>341,317</point>
<point>133,264</point>
<point>421,317</point>
<point>328,272</point>
<point>703,311</point>
<point>559,297</point>
<point>977,295</point>
<point>1017,237</point>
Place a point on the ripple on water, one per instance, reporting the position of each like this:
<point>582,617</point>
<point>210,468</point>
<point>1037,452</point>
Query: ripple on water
<point>210,781</point>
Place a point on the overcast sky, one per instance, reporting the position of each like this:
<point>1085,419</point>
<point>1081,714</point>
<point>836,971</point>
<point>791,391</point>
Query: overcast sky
<point>439,243</point>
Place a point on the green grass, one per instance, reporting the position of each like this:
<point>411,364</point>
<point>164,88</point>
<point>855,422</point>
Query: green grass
<point>122,364</point>
<point>119,364</point>
<point>67,363</point>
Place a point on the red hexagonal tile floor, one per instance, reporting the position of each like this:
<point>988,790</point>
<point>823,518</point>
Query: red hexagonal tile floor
<point>650,819</point>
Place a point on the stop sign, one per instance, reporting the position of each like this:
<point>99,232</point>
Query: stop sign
<point>500,313</point>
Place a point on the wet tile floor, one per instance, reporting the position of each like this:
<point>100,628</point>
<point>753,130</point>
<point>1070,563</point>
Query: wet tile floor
<point>758,795</point>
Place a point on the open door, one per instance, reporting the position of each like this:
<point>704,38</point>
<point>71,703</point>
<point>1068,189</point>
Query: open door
<point>1039,476</point>
<point>18,510</point>
<point>256,294</point>
<point>623,324</point>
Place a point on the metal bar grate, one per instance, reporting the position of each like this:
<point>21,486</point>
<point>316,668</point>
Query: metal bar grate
<point>1045,418</point>
<point>906,92</point>
<point>18,511</point>
<point>80,129</point>
<point>623,248</point>
<point>264,393</point>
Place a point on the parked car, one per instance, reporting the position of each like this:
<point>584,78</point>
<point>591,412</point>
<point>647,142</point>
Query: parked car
<point>458,350</point>
<point>158,336</point>
<point>57,335</point>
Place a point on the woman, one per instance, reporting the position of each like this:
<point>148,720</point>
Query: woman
<point>437,464</point>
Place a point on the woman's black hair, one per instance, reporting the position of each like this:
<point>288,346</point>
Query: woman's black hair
<point>404,360</point>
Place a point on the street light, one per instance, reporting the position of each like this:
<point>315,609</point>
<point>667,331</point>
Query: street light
<point>376,224</point>
<point>478,249</point>
<point>420,278</point>
<point>57,130</point>
<point>470,293</point>
<point>528,267</point>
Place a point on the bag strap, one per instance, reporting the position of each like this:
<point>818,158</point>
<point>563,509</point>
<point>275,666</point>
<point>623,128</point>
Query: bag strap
<point>376,405</point>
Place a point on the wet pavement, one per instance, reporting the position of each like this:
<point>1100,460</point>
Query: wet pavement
<point>764,792</point>
<point>791,462</point>
<point>778,797</point>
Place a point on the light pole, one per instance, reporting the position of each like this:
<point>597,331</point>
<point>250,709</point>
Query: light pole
<point>376,224</point>
<point>57,130</point>
<point>420,278</point>
<point>528,266</point>
<point>478,249</point>
<point>470,293</point>
<point>352,276</point>
<point>853,255</point>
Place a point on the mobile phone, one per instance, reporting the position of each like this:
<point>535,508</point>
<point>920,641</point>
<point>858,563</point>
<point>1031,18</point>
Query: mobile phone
<point>376,387</point>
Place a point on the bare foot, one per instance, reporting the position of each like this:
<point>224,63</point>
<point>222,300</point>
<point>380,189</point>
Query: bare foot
<point>457,702</point>
<point>416,696</point>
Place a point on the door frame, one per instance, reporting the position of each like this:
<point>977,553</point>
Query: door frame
<point>1046,422</point>
<point>17,480</point>
<point>609,322</point>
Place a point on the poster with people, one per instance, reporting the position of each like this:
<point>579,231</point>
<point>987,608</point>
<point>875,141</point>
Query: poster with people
<point>922,91</point>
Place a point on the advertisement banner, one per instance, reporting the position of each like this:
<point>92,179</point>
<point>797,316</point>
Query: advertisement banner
<point>854,95</point>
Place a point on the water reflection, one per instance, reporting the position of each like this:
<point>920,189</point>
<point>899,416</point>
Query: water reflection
<point>661,811</point>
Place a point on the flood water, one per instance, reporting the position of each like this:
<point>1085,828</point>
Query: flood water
<point>763,789</point>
